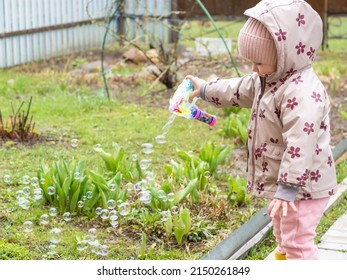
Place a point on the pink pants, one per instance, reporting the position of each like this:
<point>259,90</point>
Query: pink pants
<point>295,233</point>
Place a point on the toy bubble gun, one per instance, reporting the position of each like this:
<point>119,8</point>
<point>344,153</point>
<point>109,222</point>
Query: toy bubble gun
<point>181,106</point>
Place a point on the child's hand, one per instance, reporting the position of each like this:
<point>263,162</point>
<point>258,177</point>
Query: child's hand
<point>197,83</point>
<point>276,204</point>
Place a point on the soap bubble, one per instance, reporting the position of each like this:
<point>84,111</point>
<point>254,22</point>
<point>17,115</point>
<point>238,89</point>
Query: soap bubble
<point>113,213</point>
<point>139,185</point>
<point>170,197</point>
<point>42,181</point>
<point>112,187</point>
<point>26,190</point>
<point>114,224</point>
<point>103,250</point>
<point>51,190</point>
<point>147,148</point>
<point>28,226</point>
<point>92,233</point>
<point>114,220</point>
<point>207,174</point>
<point>20,194</point>
<point>74,143</point>
<point>38,194</point>
<point>111,204</point>
<point>150,175</point>
<point>98,211</point>
<point>44,219</point>
<point>7,179</point>
<point>97,147</point>
<point>160,139</point>
<point>162,195</point>
<point>84,198</point>
<point>129,186</point>
<point>95,245</point>
<point>99,249</point>
<point>67,216</point>
<point>52,249</point>
<point>82,245</point>
<point>55,235</point>
<point>91,236</point>
<point>164,215</point>
<point>34,181</point>
<point>89,194</point>
<point>145,196</point>
<point>134,157</point>
<point>124,209</point>
<point>77,175</point>
<point>26,180</point>
<point>145,163</point>
<point>80,204</point>
<point>24,203</point>
<point>104,214</point>
<point>53,212</point>
<point>174,209</point>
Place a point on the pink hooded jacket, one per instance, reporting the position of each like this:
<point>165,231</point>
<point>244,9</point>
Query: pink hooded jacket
<point>289,126</point>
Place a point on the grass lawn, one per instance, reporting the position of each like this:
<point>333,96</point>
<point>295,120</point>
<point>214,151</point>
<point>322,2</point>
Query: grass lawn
<point>63,112</point>
<point>74,120</point>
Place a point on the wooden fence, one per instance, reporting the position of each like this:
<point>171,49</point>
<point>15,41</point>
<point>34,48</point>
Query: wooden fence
<point>233,8</point>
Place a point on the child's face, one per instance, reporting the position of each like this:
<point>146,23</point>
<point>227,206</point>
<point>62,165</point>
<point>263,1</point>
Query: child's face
<point>263,69</point>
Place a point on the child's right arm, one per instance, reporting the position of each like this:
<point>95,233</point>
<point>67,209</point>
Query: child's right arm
<point>235,92</point>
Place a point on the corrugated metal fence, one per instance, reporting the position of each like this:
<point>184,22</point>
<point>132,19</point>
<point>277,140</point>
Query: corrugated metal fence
<point>39,29</point>
<point>148,20</point>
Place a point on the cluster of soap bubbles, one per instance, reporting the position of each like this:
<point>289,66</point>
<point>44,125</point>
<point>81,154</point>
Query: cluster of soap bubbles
<point>143,193</point>
<point>166,214</point>
<point>54,234</point>
<point>147,148</point>
<point>90,242</point>
<point>30,192</point>
<point>113,210</point>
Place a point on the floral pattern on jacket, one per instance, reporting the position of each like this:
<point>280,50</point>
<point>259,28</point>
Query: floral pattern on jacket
<point>289,125</point>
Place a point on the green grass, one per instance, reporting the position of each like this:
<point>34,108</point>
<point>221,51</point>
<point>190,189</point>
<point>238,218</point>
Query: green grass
<point>337,33</point>
<point>341,170</point>
<point>64,110</point>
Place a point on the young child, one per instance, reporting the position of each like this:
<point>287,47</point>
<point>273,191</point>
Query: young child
<point>290,160</point>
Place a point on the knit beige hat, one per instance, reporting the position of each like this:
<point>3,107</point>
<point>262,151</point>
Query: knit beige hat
<point>256,44</point>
